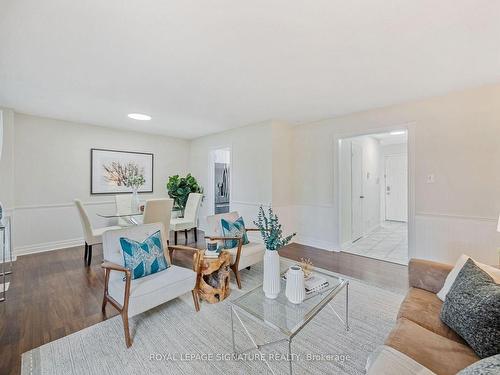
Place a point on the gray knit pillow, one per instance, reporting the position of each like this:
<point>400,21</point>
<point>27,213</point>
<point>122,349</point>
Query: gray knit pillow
<point>486,366</point>
<point>472,309</point>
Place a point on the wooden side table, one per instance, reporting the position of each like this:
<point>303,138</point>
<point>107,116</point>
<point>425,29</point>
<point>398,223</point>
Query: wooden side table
<point>212,283</point>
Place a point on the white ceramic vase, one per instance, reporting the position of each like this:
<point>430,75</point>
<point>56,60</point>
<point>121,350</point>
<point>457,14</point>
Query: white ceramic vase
<point>272,283</point>
<point>134,202</point>
<point>295,291</point>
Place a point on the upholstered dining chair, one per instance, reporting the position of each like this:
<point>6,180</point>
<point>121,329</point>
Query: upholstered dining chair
<point>92,236</point>
<point>242,256</point>
<point>190,219</point>
<point>158,211</point>
<point>134,296</point>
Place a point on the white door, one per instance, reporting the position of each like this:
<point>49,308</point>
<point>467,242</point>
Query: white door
<point>356,191</point>
<point>396,188</point>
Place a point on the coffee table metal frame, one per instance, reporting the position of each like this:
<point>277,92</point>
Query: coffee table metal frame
<point>236,310</point>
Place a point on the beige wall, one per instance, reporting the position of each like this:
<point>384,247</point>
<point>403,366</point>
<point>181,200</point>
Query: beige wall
<point>457,139</point>
<point>6,160</point>
<point>51,167</point>
<point>251,168</point>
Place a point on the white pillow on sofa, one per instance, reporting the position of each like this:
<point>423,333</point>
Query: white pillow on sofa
<point>450,279</point>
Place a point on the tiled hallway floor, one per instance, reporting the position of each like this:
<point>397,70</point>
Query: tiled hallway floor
<point>388,242</point>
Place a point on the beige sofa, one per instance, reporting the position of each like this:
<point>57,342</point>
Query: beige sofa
<point>419,332</point>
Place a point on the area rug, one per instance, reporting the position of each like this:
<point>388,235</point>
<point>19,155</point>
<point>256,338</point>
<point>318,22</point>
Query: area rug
<point>174,339</point>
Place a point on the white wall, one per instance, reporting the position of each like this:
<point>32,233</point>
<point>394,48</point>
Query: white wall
<point>51,166</point>
<point>457,138</point>
<point>251,167</point>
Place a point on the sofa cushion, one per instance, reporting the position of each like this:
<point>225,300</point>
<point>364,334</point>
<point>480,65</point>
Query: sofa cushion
<point>450,279</point>
<point>250,254</point>
<point>423,308</point>
<point>486,366</point>
<point>388,361</point>
<point>435,352</point>
<point>472,309</point>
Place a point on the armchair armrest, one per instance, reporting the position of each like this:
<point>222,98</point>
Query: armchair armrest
<point>181,247</point>
<point>114,267</point>
<point>222,238</point>
<point>428,275</point>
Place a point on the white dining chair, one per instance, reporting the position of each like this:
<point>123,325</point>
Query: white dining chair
<point>92,236</point>
<point>158,211</point>
<point>190,219</point>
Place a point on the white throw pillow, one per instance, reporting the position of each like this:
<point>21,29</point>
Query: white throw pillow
<point>450,279</point>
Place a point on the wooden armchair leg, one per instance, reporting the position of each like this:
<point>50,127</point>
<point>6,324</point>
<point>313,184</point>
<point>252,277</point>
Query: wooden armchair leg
<point>86,252</point>
<point>195,299</point>
<point>128,341</point>
<point>195,235</point>
<point>237,274</point>
<point>175,237</point>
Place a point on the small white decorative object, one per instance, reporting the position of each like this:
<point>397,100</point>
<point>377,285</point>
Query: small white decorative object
<point>134,202</point>
<point>295,291</point>
<point>272,282</point>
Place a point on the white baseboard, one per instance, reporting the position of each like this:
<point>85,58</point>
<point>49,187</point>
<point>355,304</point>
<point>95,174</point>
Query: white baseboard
<point>313,242</point>
<point>47,246</point>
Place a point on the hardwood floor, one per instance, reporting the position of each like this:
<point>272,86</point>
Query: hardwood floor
<point>53,294</point>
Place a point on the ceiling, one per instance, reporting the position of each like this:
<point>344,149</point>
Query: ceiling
<point>201,67</point>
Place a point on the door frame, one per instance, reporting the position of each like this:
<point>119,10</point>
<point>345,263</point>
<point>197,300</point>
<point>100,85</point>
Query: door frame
<point>211,177</point>
<point>410,127</point>
<point>362,233</point>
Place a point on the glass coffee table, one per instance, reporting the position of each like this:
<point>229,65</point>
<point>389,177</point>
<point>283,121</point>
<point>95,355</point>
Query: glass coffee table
<point>283,316</point>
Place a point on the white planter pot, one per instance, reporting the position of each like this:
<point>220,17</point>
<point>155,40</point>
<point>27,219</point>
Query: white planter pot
<point>272,283</point>
<point>295,291</point>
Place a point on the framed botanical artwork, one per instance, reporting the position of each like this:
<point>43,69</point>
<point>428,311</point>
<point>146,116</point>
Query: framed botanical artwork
<point>119,172</point>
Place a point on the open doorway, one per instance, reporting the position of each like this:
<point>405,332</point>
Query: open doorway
<point>220,172</point>
<point>374,195</point>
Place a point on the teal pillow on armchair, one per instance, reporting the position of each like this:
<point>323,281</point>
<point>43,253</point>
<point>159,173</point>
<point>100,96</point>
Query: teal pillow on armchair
<point>144,258</point>
<point>233,229</point>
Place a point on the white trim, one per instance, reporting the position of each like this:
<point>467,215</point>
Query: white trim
<point>47,246</point>
<point>253,204</point>
<point>457,217</point>
<point>59,205</point>
<point>410,127</point>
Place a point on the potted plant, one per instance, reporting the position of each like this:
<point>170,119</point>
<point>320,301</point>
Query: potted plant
<point>135,181</point>
<point>179,189</point>
<point>272,234</point>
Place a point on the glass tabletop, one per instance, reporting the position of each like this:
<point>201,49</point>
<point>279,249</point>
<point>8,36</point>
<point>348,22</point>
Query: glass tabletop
<point>283,315</point>
<point>118,215</point>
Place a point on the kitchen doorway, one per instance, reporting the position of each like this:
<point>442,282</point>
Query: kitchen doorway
<point>220,171</point>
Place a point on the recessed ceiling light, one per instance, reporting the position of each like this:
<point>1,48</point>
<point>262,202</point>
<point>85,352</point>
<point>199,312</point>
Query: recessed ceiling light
<point>397,132</point>
<point>139,116</point>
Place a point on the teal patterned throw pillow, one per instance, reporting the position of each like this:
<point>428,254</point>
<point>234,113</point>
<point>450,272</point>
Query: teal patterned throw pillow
<point>233,229</point>
<point>144,258</point>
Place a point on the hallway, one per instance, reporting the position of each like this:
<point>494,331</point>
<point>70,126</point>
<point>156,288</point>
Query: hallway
<point>389,242</point>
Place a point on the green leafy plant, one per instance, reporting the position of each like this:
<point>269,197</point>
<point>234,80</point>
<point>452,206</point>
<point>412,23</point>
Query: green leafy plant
<point>179,189</point>
<point>270,230</point>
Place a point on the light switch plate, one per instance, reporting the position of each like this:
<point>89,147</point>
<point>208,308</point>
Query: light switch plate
<point>430,179</point>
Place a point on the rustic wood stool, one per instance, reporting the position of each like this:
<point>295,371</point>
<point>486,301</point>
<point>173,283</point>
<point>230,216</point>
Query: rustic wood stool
<point>212,283</point>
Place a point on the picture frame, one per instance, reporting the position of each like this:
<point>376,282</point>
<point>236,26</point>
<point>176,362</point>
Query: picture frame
<point>109,168</point>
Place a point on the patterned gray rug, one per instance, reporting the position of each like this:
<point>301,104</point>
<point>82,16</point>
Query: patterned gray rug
<point>173,339</point>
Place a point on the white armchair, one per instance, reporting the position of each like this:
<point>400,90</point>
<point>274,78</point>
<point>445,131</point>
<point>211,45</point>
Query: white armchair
<point>132,297</point>
<point>242,256</point>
